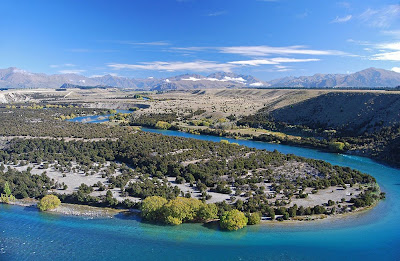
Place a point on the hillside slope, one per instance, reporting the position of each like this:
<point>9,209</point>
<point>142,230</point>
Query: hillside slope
<point>353,112</point>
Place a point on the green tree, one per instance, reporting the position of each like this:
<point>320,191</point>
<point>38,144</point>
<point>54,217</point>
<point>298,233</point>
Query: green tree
<point>7,196</point>
<point>7,189</point>
<point>254,218</point>
<point>163,125</point>
<point>336,146</point>
<point>233,220</point>
<point>181,210</point>
<point>152,208</point>
<point>207,212</point>
<point>49,202</point>
<point>110,200</point>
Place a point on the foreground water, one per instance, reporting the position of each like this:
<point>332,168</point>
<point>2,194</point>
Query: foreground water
<point>26,234</point>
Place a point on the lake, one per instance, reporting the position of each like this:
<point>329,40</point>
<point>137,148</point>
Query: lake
<point>26,234</point>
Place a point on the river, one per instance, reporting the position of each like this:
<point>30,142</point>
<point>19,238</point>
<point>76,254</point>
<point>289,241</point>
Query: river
<point>26,234</point>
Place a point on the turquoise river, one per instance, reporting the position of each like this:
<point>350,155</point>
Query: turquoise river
<point>26,234</point>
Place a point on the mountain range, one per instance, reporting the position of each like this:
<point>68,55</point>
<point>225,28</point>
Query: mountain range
<point>369,78</point>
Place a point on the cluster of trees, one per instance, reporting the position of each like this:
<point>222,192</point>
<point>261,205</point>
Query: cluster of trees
<point>149,187</point>
<point>150,120</point>
<point>40,123</point>
<point>119,117</point>
<point>24,184</point>
<point>179,210</point>
<point>150,155</point>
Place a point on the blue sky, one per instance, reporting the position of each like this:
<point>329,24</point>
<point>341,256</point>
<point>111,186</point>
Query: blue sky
<point>143,38</point>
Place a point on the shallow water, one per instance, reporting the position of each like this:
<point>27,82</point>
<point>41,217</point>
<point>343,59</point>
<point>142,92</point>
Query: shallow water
<point>26,234</point>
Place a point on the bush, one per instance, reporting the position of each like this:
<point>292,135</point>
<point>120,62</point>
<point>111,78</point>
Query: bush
<point>336,146</point>
<point>151,208</point>
<point>233,220</point>
<point>49,202</point>
<point>254,218</point>
<point>163,125</point>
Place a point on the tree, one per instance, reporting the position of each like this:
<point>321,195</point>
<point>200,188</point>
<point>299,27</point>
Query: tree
<point>336,146</point>
<point>233,220</point>
<point>110,200</point>
<point>49,202</point>
<point>254,218</point>
<point>207,212</point>
<point>181,210</point>
<point>176,211</point>
<point>7,196</point>
<point>151,208</point>
<point>163,125</point>
<point>7,189</point>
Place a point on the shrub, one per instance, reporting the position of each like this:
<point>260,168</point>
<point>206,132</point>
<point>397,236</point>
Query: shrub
<point>163,125</point>
<point>336,146</point>
<point>49,202</point>
<point>233,220</point>
<point>253,218</point>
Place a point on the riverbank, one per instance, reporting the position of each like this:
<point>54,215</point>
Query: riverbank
<point>246,134</point>
<point>85,211</point>
<point>73,209</point>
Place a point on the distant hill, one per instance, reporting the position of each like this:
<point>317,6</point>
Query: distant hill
<point>83,87</point>
<point>370,78</point>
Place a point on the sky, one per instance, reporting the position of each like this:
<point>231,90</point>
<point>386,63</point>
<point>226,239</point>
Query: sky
<point>161,38</point>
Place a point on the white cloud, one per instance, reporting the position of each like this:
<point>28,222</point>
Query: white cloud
<point>393,33</point>
<point>387,56</point>
<point>387,52</point>
<point>293,60</point>
<point>277,60</point>
<point>253,62</point>
<point>390,46</point>
<point>342,19</point>
<point>217,13</point>
<point>201,66</point>
<point>381,18</point>
<point>264,50</point>
<point>154,43</point>
<point>396,69</point>
<point>71,71</point>
<point>62,65</point>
